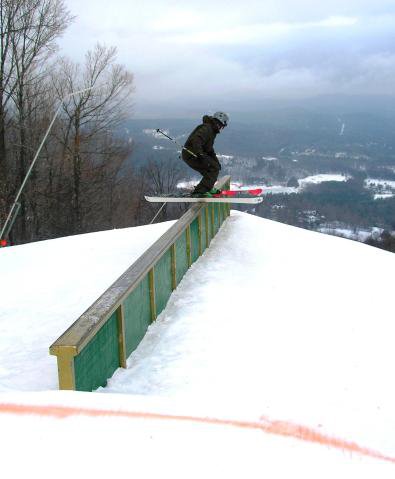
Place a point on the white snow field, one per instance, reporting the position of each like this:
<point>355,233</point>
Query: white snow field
<point>317,179</point>
<point>384,188</point>
<point>278,189</point>
<point>273,358</point>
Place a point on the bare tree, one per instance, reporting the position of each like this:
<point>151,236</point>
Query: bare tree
<point>28,31</point>
<point>79,181</point>
<point>162,177</point>
<point>91,153</point>
<point>9,11</point>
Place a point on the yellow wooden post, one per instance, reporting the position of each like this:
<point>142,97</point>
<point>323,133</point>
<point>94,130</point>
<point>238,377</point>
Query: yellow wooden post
<point>65,358</point>
<point>173,266</point>
<point>121,336</point>
<point>213,221</point>
<point>200,234</point>
<point>189,245</point>
<point>207,226</point>
<point>152,294</point>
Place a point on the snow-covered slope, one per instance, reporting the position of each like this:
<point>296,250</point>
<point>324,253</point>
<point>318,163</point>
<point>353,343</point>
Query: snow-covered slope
<point>46,286</point>
<point>273,357</point>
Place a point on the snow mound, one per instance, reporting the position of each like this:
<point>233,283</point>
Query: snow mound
<point>273,355</point>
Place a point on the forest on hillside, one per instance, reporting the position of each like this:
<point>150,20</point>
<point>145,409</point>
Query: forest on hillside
<point>81,180</point>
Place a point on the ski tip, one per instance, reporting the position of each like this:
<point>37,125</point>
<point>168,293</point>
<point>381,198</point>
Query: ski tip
<point>252,192</point>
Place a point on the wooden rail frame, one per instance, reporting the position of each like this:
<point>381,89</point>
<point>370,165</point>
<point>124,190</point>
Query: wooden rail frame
<point>111,304</point>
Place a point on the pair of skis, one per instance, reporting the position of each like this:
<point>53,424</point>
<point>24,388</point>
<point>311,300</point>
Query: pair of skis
<point>252,196</point>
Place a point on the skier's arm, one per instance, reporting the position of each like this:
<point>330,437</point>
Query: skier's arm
<point>214,157</point>
<point>213,154</point>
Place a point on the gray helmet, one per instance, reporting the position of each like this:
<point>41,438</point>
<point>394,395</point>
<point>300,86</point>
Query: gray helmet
<point>221,117</point>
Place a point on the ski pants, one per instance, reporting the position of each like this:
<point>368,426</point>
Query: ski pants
<point>208,167</point>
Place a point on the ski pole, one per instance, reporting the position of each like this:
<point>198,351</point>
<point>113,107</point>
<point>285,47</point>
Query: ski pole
<point>176,142</point>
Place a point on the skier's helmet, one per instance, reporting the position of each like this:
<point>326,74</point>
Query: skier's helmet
<point>222,117</point>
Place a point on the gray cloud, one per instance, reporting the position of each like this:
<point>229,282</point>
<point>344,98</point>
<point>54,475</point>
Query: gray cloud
<point>185,55</point>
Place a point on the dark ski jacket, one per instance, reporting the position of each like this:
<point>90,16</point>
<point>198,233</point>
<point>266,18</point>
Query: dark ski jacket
<point>201,142</point>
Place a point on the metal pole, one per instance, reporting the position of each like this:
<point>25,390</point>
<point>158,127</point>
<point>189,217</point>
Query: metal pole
<point>176,142</point>
<point>157,214</point>
<point>15,204</point>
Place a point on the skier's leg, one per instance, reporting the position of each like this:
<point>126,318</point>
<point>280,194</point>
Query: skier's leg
<point>209,172</point>
<point>210,175</point>
<point>201,187</point>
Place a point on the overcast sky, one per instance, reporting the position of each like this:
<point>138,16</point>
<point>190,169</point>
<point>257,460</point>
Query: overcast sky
<point>196,55</point>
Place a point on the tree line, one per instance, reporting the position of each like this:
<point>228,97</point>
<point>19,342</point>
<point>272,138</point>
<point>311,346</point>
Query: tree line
<point>83,180</point>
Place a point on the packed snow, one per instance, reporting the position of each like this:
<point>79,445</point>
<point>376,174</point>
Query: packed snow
<point>46,286</point>
<point>272,358</point>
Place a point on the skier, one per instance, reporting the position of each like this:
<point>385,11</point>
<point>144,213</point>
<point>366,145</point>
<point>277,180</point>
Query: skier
<point>199,153</point>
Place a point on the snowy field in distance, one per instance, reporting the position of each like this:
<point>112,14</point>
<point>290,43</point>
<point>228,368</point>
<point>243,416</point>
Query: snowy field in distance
<point>369,182</point>
<point>382,189</point>
<point>383,196</point>
<point>317,179</point>
<point>264,363</point>
<point>275,189</point>
<point>303,182</point>
<point>357,234</point>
